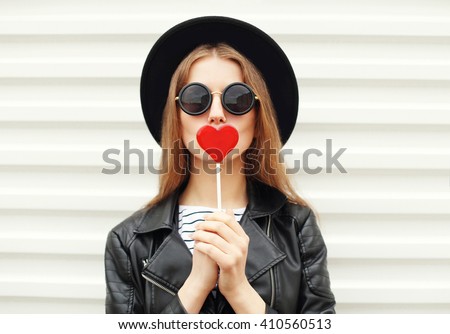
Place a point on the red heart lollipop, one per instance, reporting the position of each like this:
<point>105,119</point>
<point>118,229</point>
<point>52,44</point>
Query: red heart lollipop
<point>217,142</point>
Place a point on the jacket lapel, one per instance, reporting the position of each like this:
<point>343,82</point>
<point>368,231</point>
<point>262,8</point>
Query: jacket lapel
<point>172,262</point>
<point>263,254</point>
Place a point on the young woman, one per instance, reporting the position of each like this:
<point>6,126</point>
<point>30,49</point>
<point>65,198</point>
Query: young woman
<point>265,253</point>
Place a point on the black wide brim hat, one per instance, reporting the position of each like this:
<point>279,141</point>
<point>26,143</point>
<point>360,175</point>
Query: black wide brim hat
<point>174,45</point>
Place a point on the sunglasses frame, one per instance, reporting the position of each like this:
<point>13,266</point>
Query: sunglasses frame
<point>222,93</point>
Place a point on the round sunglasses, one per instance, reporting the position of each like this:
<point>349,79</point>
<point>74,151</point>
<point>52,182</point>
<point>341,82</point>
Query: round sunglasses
<point>237,98</point>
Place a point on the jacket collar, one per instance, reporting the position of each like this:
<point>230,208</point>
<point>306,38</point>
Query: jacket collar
<point>263,200</point>
<point>172,262</point>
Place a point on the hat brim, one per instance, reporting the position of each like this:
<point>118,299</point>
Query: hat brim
<point>174,45</point>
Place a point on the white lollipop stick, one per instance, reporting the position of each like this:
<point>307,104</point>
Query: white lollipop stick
<point>219,190</point>
<point>221,141</point>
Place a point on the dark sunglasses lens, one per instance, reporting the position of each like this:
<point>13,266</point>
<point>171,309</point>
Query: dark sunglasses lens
<point>238,99</point>
<point>194,99</point>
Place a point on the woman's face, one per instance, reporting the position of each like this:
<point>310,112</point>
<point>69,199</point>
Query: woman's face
<point>216,73</point>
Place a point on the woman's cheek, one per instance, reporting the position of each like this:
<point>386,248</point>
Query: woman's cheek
<point>245,139</point>
<point>246,136</point>
<point>189,129</point>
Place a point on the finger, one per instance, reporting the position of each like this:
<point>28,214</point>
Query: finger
<point>210,250</point>
<point>227,218</point>
<point>237,243</point>
<point>219,228</point>
<point>229,212</point>
<point>212,239</point>
<point>224,261</point>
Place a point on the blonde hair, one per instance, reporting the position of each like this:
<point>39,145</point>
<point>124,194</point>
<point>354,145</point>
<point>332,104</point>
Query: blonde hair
<point>175,159</point>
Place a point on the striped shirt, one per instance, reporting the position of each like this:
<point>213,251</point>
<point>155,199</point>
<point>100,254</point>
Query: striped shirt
<point>190,215</point>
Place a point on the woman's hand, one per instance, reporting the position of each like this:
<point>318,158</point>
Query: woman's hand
<point>201,281</point>
<point>204,271</point>
<point>222,239</point>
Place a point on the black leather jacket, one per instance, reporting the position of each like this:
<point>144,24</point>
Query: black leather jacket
<point>147,262</point>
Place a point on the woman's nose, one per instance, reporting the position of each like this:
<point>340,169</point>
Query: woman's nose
<point>216,111</point>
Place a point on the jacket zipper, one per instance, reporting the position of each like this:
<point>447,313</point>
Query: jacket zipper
<point>156,283</point>
<point>272,280</point>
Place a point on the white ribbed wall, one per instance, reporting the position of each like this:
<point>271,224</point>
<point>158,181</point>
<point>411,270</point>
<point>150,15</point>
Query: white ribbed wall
<point>374,77</point>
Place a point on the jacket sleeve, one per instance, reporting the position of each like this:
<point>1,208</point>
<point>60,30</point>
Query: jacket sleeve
<point>315,292</point>
<point>121,293</point>
<point>119,284</point>
<point>315,295</point>
<point>174,307</point>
